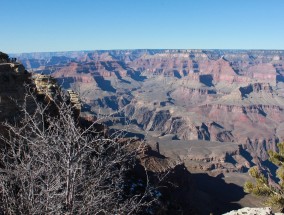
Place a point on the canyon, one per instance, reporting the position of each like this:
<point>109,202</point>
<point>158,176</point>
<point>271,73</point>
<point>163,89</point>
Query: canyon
<point>216,111</point>
<point>212,95</point>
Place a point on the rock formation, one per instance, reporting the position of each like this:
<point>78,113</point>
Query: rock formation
<point>213,95</point>
<point>46,85</point>
<point>4,58</point>
<point>253,211</point>
<point>13,76</point>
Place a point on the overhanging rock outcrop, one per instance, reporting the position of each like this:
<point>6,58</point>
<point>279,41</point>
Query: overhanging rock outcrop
<point>47,87</point>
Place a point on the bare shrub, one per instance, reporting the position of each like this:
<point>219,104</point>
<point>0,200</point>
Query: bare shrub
<point>50,165</point>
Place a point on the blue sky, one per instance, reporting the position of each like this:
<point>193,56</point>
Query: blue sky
<point>62,25</point>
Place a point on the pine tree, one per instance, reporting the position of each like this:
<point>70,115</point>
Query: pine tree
<point>264,185</point>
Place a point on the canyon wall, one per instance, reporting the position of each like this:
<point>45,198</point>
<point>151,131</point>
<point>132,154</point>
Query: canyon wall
<point>214,95</point>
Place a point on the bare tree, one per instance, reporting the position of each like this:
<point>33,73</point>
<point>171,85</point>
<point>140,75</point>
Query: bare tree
<point>50,165</point>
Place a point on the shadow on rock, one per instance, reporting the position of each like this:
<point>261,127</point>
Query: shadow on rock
<point>105,85</point>
<point>215,195</point>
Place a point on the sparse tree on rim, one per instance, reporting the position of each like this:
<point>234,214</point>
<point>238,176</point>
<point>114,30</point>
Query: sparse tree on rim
<point>264,184</point>
<point>50,165</point>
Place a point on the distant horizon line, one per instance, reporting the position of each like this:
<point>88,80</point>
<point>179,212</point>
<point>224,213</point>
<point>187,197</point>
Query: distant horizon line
<point>141,49</point>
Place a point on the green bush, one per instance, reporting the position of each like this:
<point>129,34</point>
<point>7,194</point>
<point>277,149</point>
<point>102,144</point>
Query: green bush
<point>264,185</point>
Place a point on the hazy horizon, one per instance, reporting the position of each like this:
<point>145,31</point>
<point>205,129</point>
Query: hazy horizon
<point>16,53</point>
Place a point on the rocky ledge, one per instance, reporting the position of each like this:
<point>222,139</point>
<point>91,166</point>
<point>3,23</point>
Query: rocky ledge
<point>253,211</point>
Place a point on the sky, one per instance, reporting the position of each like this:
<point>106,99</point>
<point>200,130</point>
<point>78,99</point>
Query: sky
<point>71,25</point>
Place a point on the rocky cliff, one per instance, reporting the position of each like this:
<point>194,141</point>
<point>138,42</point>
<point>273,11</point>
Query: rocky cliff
<point>13,76</point>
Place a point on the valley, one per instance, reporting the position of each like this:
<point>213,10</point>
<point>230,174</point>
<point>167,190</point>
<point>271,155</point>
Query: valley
<point>216,111</point>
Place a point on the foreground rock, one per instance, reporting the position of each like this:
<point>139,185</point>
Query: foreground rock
<point>13,76</point>
<point>253,211</point>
